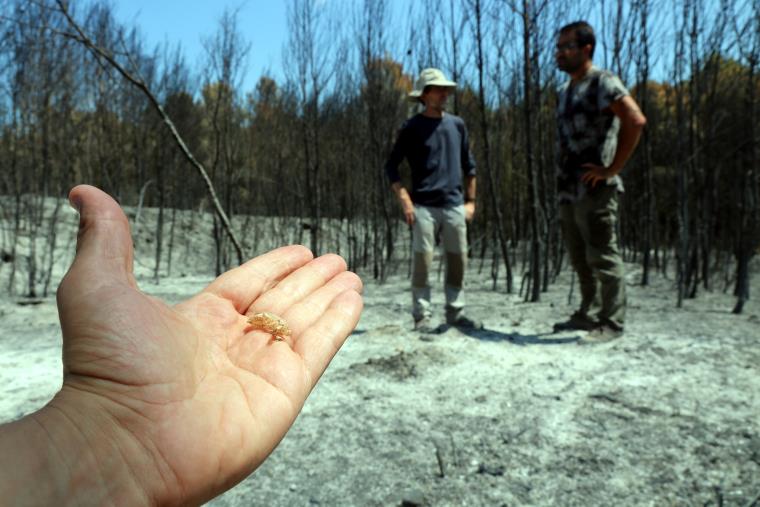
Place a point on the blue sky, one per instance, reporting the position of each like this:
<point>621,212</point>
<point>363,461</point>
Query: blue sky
<point>261,22</point>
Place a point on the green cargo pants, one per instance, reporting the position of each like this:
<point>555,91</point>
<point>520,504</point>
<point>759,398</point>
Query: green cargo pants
<point>588,229</point>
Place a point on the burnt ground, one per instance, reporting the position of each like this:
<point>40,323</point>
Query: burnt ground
<point>512,415</point>
<point>509,415</point>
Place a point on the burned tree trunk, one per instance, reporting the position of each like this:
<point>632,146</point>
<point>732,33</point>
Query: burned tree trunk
<point>528,115</point>
<point>477,10</point>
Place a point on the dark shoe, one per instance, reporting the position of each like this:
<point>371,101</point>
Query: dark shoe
<point>463,322</point>
<point>602,334</point>
<point>577,322</point>
<point>424,325</point>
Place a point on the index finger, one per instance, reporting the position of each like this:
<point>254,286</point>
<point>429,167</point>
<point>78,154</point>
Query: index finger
<point>242,285</point>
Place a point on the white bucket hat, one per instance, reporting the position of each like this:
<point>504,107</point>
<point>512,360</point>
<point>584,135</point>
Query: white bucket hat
<point>429,77</point>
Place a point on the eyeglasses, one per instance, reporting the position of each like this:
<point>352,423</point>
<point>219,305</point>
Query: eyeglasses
<point>567,46</point>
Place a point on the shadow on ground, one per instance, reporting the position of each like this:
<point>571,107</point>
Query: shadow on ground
<point>491,335</point>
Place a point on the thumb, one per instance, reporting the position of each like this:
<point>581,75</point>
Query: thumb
<point>104,245</point>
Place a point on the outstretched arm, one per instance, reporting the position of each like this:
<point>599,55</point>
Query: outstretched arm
<point>172,405</point>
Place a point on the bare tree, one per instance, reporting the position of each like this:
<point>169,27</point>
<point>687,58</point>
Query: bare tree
<point>476,9</point>
<point>80,36</point>
<point>226,54</point>
<point>309,51</point>
<point>642,7</point>
<point>528,13</point>
<point>748,241</point>
<point>87,102</point>
<point>383,107</point>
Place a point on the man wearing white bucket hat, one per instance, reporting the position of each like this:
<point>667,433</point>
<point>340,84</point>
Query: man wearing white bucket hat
<point>442,196</point>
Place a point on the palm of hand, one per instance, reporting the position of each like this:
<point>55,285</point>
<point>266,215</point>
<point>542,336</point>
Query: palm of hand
<point>205,395</point>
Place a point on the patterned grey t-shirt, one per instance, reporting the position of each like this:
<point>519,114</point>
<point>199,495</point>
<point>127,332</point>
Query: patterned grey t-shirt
<point>587,129</point>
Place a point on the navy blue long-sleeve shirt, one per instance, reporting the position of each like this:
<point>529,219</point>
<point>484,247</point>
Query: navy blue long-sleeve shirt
<point>438,152</point>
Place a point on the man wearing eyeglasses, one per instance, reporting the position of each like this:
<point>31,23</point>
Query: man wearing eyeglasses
<point>598,127</point>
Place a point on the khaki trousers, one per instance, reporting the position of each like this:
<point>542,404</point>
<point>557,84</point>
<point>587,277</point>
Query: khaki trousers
<point>588,229</point>
<point>450,223</point>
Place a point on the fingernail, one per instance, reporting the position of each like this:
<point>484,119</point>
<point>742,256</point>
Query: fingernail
<point>75,204</point>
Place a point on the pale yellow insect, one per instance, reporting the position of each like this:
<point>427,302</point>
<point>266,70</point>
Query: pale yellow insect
<point>270,323</point>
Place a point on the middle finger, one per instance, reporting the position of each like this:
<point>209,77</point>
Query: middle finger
<point>298,285</point>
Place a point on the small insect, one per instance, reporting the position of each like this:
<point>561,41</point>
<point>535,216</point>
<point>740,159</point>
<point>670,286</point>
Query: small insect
<point>271,324</point>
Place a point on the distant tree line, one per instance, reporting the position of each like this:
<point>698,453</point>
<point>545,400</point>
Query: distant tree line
<point>312,145</point>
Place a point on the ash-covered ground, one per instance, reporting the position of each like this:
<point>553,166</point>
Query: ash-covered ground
<point>510,415</point>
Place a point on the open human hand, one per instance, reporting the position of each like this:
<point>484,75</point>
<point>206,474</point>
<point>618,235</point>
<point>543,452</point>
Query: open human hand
<point>175,404</point>
<point>469,211</point>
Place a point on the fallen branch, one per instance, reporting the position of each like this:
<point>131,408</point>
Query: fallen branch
<point>99,52</point>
